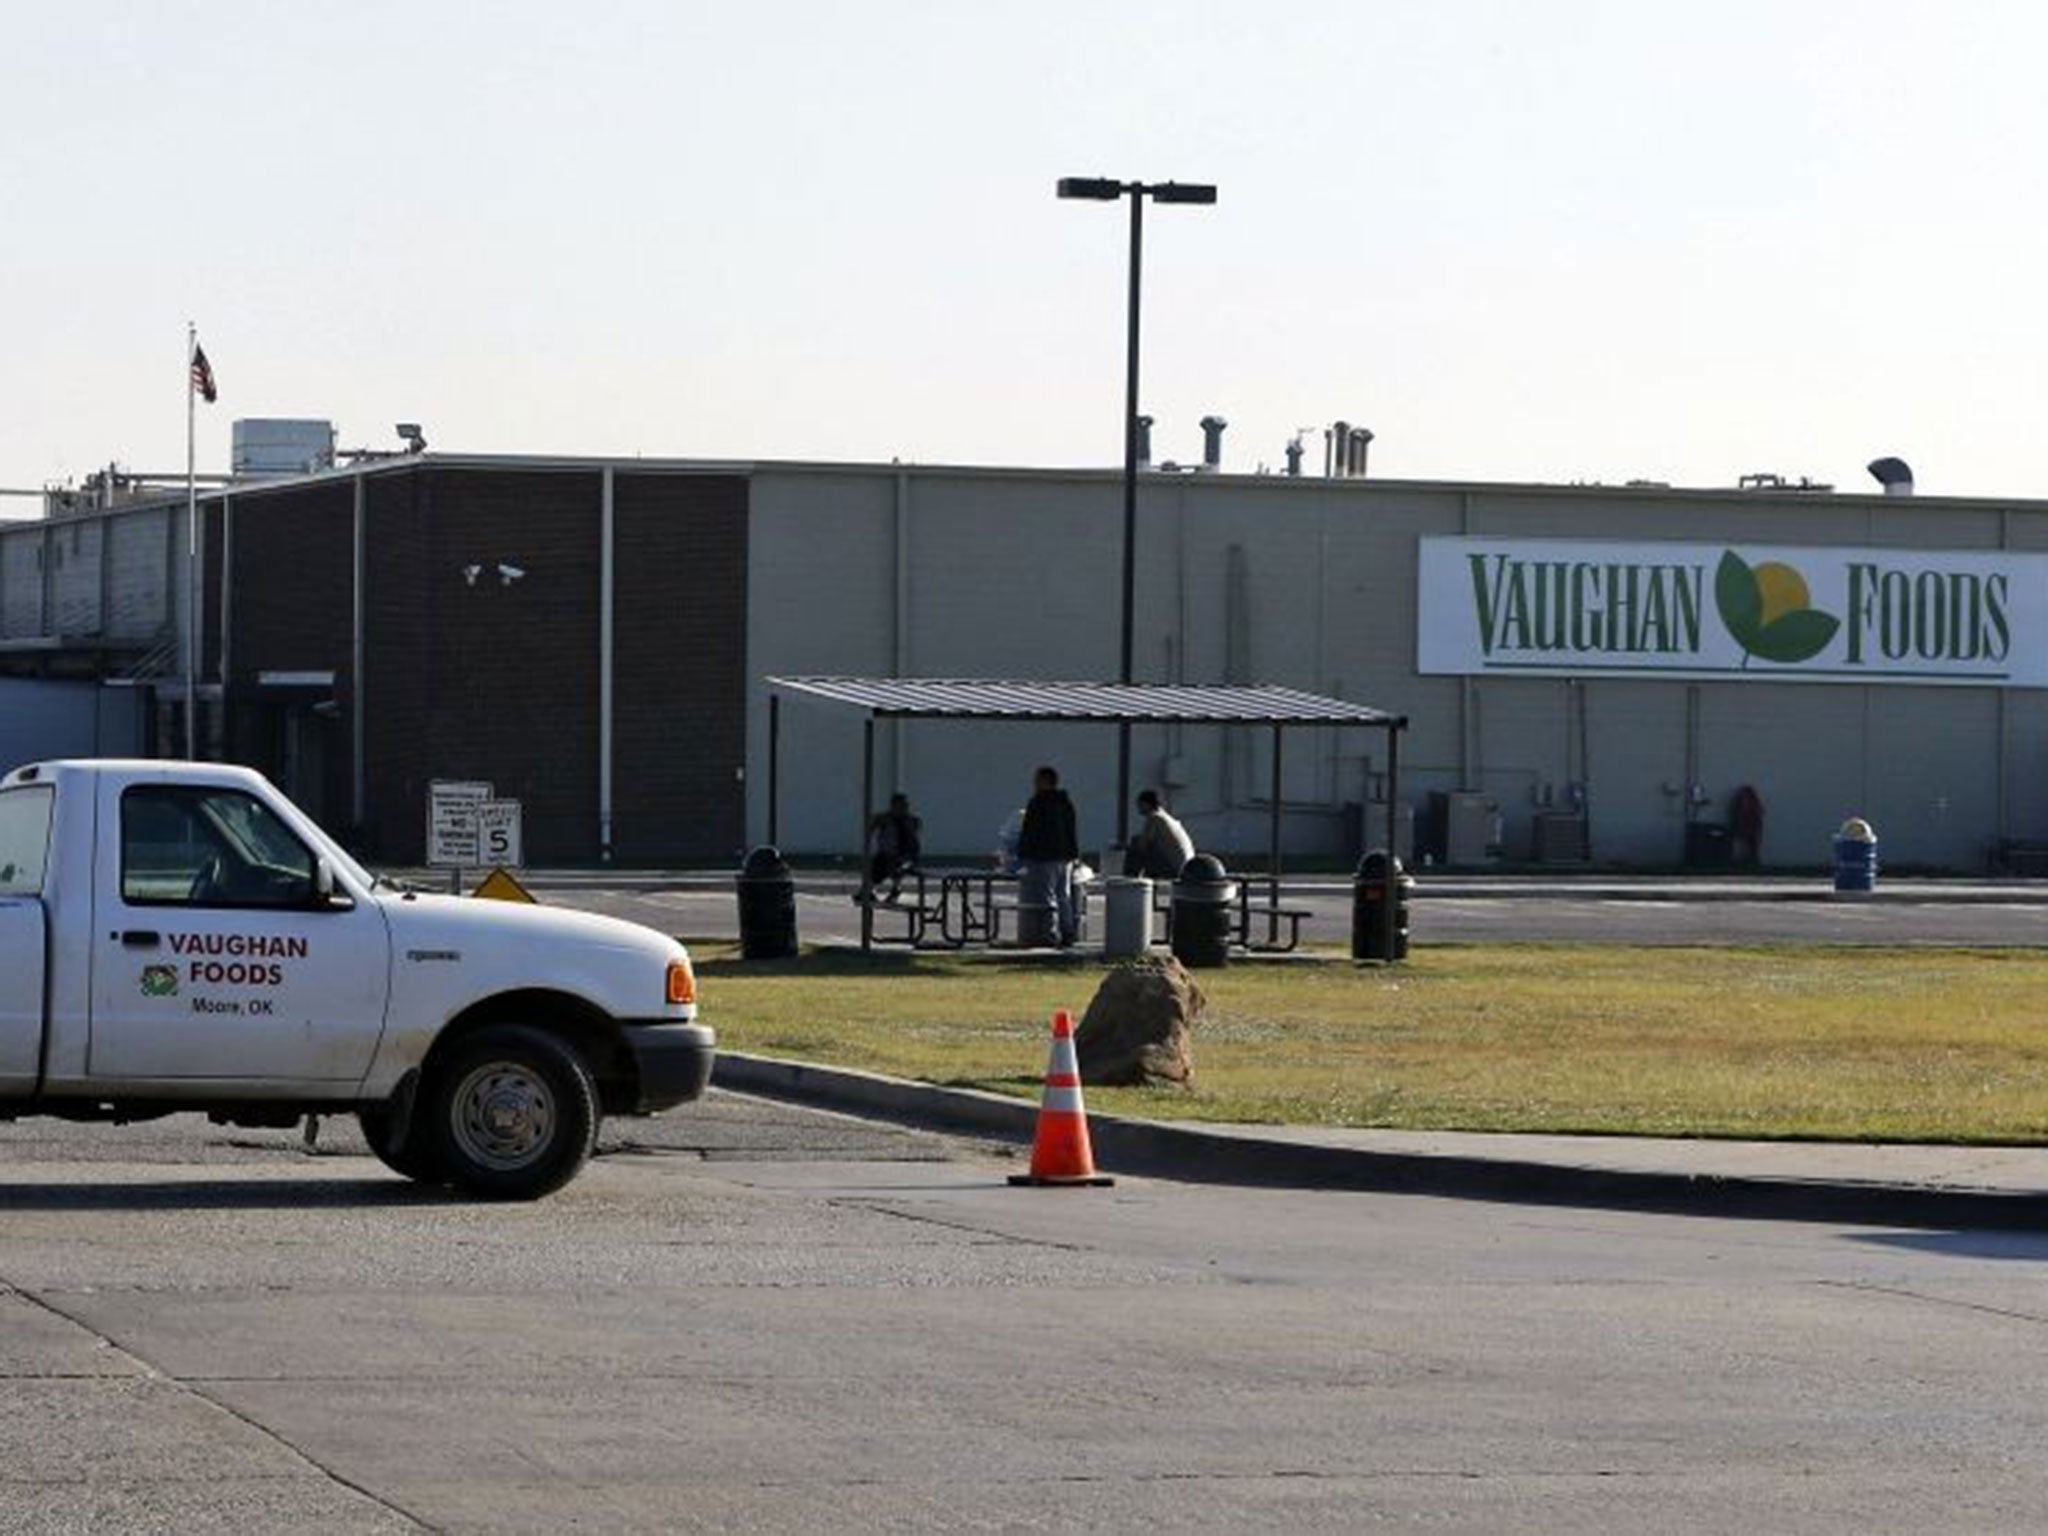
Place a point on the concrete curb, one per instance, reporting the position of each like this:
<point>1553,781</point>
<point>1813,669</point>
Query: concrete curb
<point>1206,1155</point>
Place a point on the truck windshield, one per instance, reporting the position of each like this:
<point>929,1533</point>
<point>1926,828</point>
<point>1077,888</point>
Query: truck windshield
<point>24,838</point>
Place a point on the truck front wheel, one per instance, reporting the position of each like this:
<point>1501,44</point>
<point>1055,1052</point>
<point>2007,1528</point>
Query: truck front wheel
<point>511,1114</point>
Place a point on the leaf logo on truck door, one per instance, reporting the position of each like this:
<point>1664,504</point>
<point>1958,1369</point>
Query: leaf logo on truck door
<point>159,981</point>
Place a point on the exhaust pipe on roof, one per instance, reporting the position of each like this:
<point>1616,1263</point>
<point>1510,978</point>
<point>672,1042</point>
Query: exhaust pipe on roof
<point>1212,443</point>
<point>1144,442</point>
<point>1361,441</point>
<point>1895,475</point>
<point>1345,448</point>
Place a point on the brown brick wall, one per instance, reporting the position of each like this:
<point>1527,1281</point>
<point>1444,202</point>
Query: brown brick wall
<point>487,681</point>
<point>292,610</point>
<point>500,682</point>
<point>293,603</point>
<point>679,672</point>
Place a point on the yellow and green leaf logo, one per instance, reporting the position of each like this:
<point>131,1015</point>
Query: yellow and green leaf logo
<point>1769,611</point>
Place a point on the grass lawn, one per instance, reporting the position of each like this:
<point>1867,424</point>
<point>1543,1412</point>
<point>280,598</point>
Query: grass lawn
<point>1910,1045</point>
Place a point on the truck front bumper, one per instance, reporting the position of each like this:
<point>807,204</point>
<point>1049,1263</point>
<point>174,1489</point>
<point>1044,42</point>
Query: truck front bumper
<point>671,1063</point>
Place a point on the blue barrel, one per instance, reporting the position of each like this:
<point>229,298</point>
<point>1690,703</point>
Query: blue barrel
<point>1856,856</point>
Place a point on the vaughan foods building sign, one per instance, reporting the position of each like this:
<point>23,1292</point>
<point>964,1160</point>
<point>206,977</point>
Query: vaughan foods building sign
<point>1579,608</point>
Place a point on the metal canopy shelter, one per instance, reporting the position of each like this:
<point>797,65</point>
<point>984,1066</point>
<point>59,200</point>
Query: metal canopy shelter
<point>920,698</point>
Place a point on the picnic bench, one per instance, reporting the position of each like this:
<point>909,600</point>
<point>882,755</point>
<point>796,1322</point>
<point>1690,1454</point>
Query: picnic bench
<point>1266,913</point>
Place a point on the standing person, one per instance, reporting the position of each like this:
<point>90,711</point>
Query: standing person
<point>1047,846</point>
<point>893,845</point>
<point>1161,845</point>
<point>1746,827</point>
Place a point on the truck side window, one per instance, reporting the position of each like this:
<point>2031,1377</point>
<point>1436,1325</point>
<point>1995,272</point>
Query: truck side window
<point>24,838</point>
<point>182,846</point>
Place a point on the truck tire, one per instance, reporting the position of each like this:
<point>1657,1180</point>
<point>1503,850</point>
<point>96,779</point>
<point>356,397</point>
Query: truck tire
<point>511,1114</point>
<point>400,1143</point>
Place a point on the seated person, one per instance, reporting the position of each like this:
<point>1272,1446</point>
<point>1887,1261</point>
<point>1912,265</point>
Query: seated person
<point>1161,845</point>
<point>893,845</point>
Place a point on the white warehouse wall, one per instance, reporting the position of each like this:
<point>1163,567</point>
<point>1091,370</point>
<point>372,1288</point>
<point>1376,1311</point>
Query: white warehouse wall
<point>909,571</point>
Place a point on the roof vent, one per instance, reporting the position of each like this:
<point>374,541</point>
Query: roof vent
<point>1895,475</point>
<point>1764,480</point>
<point>1344,451</point>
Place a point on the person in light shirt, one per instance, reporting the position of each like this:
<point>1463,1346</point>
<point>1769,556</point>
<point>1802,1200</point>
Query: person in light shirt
<point>1161,844</point>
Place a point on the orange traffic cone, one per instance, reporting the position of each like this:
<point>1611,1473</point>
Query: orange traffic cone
<point>1060,1153</point>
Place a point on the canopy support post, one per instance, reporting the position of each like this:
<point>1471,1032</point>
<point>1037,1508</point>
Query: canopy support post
<point>1273,848</point>
<point>1388,927</point>
<point>775,769</point>
<point>860,844</point>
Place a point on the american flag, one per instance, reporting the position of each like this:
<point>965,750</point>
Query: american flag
<point>202,375</point>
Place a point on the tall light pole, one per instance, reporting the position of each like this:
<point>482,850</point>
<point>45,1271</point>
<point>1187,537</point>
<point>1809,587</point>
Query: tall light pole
<point>1105,189</point>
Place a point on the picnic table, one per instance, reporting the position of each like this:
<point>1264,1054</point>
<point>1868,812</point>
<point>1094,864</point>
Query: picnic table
<point>940,908</point>
<point>962,908</point>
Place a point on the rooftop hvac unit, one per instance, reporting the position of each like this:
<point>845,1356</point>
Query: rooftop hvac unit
<point>269,446</point>
<point>1560,838</point>
<point>1470,826</point>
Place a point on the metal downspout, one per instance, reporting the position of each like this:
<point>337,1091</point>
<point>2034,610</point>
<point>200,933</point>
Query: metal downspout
<point>227,533</point>
<point>357,777</point>
<point>606,590</point>
<point>899,637</point>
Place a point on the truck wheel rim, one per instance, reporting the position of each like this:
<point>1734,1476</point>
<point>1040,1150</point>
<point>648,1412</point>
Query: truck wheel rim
<point>504,1115</point>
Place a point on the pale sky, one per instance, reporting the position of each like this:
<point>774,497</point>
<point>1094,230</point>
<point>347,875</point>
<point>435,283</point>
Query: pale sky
<point>1574,240</point>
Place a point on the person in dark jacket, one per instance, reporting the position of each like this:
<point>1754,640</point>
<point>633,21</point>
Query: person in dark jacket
<point>1046,849</point>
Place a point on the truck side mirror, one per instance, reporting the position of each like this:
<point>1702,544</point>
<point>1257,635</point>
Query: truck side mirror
<point>323,887</point>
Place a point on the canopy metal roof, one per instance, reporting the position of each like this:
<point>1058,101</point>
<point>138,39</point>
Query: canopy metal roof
<point>1122,704</point>
<point>936,698</point>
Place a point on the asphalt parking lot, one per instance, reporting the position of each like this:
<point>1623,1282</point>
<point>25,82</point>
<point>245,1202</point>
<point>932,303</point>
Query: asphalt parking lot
<point>752,1317</point>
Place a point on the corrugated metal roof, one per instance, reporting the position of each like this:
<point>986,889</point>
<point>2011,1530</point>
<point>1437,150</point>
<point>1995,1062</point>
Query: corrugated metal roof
<point>987,698</point>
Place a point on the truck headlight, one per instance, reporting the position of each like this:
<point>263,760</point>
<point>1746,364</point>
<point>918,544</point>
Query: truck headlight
<point>682,982</point>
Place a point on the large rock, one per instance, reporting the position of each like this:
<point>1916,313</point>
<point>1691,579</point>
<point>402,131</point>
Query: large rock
<point>1135,1032</point>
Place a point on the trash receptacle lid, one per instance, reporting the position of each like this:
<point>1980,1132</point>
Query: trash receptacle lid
<point>1378,864</point>
<point>1202,869</point>
<point>763,861</point>
<point>1857,830</point>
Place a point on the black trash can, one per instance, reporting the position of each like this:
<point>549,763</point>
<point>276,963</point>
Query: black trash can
<point>1709,845</point>
<point>1203,917</point>
<point>1380,879</point>
<point>767,906</point>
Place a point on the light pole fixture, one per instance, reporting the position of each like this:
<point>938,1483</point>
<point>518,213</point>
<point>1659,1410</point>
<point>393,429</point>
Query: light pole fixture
<point>1107,189</point>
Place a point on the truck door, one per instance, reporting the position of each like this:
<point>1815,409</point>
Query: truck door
<point>214,956</point>
<point>24,845</point>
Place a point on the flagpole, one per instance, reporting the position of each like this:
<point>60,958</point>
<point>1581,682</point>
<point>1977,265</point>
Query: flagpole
<point>191,551</point>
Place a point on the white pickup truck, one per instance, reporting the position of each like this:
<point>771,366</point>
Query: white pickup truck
<point>180,936</point>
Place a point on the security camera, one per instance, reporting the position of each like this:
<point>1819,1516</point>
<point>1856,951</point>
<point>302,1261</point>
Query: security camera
<point>507,574</point>
<point>471,572</point>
